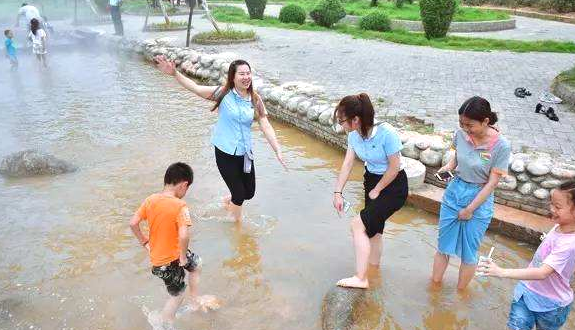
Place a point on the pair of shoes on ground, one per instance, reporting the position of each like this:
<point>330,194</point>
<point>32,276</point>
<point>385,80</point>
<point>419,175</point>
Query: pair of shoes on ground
<point>549,111</point>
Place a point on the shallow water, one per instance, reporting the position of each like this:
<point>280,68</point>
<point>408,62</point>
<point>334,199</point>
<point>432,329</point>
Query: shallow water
<point>69,261</point>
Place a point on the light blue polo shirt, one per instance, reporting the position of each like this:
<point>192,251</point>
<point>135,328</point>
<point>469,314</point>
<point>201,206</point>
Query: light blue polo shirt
<point>232,133</point>
<point>375,150</point>
<point>475,163</point>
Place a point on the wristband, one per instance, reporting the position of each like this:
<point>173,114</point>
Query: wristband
<point>337,192</point>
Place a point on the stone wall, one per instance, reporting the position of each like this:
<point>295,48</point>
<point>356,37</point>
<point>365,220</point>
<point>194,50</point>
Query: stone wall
<point>527,187</point>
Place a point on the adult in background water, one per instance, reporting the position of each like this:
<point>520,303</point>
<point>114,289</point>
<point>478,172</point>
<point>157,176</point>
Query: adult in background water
<point>116,16</point>
<point>238,106</point>
<point>385,183</point>
<point>28,12</point>
<point>481,158</point>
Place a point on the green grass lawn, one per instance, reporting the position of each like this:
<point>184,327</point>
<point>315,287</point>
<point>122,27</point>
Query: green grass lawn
<point>236,15</point>
<point>408,12</point>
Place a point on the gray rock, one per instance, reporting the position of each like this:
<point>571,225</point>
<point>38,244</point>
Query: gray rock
<point>422,144</point>
<point>438,146</point>
<point>410,150</point>
<point>538,168</point>
<point>215,74</point>
<point>527,188</point>
<point>32,162</point>
<point>538,178</point>
<point>314,112</point>
<point>541,193</point>
<point>275,95</point>
<point>404,137</point>
<point>563,173</point>
<point>293,103</point>
<point>303,107</point>
<point>523,177</point>
<point>206,60</point>
<point>431,158</point>
<point>337,307</point>
<point>285,97</point>
<point>447,156</point>
<point>415,172</point>
<point>508,182</point>
<point>550,184</point>
<point>518,166</point>
<point>326,117</point>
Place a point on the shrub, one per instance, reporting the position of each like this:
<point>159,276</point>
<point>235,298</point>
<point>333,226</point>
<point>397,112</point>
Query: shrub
<point>561,6</point>
<point>399,3</point>
<point>376,21</point>
<point>327,13</point>
<point>436,16</point>
<point>292,14</point>
<point>256,8</point>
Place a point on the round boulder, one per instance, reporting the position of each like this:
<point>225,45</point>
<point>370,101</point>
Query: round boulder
<point>538,168</point>
<point>541,193</point>
<point>410,150</point>
<point>431,158</point>
<point>415,171</point>
<point>508,182</point>
<point>32,162</point>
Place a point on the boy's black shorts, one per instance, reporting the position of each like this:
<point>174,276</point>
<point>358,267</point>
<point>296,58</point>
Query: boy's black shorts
<point>173,274</point>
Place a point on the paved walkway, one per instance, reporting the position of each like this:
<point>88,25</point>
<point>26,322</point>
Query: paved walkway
<point>419,81</point>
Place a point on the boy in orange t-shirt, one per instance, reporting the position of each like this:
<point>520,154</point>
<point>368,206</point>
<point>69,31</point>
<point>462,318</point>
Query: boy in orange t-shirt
<point>168,221</point>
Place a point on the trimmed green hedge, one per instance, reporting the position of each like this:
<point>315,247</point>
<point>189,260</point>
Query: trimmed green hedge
<point>436,16</point>
<point>375,21</point>
<point>256,8</point>
<point>327,13</point>
<point>292,14</point>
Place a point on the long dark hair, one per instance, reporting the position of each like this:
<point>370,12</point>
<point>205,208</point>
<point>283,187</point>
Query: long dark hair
<point>34,25</point>
<point>478,108</point>
<point>353,106</point>
<point>256,100</point>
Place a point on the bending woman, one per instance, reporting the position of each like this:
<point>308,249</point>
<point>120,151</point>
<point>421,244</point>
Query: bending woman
<point>384,182</point>
<point>238,106</point>
<point>481,158</point>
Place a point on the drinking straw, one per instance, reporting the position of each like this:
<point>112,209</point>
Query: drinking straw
<point>490,252</point>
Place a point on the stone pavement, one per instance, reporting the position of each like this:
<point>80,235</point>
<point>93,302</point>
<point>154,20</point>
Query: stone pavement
<point>423,82</point>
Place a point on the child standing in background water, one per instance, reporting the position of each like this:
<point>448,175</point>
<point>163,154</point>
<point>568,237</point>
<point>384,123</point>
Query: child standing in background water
<point>544,297</point>
<point>11,49</point>
<point>38,37</point>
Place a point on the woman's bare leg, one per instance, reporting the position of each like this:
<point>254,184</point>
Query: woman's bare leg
<point>440,263</point>
<point>362,249</point>
<point>375,250</point>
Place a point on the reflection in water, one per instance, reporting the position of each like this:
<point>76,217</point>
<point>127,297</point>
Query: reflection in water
<point>69,260</point>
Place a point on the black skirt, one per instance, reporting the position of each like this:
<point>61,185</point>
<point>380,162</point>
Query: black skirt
<point>389,201</point>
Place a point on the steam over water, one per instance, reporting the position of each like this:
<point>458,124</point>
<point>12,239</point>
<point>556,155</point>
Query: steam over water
<point>68,259</point>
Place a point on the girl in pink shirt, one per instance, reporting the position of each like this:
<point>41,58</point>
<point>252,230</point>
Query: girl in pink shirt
<point>544,296</point>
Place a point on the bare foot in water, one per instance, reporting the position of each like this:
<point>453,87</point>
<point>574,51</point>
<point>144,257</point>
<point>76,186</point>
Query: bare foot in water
<point>353,282</point>
<point>227,200</point>
<point>205,303</point>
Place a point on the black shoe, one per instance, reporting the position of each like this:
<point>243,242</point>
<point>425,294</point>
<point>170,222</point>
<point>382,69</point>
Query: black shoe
<point>550,113</point>
<point>538,108</point>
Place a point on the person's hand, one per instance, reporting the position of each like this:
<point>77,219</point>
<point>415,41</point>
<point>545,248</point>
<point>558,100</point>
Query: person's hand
<point>465,214</point>
<point>183,260</point>
<point>164,65</point>
<point>489,268</point>
<point>338,202</point>
<point>280,158</point>
<point>374,193</point>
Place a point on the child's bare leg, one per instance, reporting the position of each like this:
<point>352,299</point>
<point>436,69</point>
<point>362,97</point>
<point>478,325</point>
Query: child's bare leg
<point>193,281</point>
<point>170,308</point>
<point>375,250</point>
<point>440,263</point>
<point>466,273</point>
<point>362,249</point>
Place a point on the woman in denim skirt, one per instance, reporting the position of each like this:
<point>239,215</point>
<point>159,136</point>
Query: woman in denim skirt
<point>481,157</point>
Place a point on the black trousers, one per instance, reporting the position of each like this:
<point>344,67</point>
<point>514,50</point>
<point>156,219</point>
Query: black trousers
<point>117,19</point>
<point>242,185</point>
